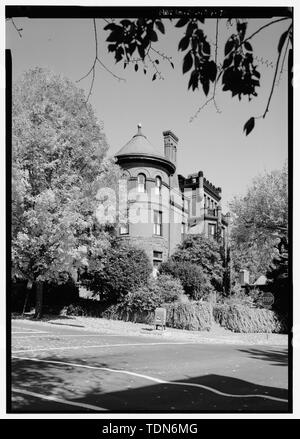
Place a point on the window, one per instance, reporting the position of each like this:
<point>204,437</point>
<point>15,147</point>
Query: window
<point>157,260</point>
<point>157,255</point>
<point>158,185</point>
<point>141,183</point>
<point>205,201</point>
<point>157,223</point>
<point>212,230</point>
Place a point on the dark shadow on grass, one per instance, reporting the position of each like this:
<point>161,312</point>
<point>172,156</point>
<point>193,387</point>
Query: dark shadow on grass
<point>278,357</point>
<point>118,392</point>
<point>66,324</point>
<point>45,318</point>
<point>48,318</point>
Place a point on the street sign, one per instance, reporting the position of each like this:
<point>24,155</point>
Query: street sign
<point>267,299</point>
<point>160,318</point>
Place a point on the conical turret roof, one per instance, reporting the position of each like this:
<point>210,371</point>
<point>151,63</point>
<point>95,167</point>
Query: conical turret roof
<point>139,144</point>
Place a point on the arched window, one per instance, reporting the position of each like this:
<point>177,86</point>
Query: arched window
<point>141,183</point>
<point>157,185</point>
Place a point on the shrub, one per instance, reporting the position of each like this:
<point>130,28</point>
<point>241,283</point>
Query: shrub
<point>139,306</point>
<point>278,282</point>
<point>205,253</point>
<point>126,268</point>
<point>194,281</point>
<point>239,297</point>
<point>55,297</point>
<point>84,307</point>
<point>239,318</point>
<point>194,316</point>
<point>136,306</point>
<point>169,288</point>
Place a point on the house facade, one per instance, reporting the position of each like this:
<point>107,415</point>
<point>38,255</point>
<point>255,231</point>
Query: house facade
<point>162,207</point>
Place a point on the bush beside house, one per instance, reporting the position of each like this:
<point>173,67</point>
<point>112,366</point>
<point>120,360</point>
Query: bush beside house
<point>121,270</point>
<point>241,318</point>
<point>194,281</point>
<point>193,316</point>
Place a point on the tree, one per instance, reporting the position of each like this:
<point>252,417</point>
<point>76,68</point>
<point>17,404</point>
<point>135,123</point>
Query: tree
<point>260,222</point>
<point>230,62</point>
<point>206,254</point>
<point>195,282</point>
<point>278,280</point>
<point>122,269</point>
<point>57,153</point>
<point>133,42</point>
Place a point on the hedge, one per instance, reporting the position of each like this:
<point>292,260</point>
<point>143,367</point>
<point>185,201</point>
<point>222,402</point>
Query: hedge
<point>193,316</point>
<point>240,318</point>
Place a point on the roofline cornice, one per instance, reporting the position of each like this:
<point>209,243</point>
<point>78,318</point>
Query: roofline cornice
<point>148,157</point>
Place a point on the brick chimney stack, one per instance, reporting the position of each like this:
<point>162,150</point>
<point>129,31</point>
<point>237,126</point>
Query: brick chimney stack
<point>170,146</point>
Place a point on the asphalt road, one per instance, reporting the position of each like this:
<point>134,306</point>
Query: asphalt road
<point>57,368</point>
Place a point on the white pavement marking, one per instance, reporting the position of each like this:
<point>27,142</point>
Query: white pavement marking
<point>101,346</point>
<point>61,401</point>
<point>29,332</point>
<point>156,380</point>
<point>49,334</point>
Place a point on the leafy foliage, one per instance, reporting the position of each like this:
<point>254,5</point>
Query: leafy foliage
<point>132,38</point>
<point>249,125</point>
<point>240,74</point>
<point>260,222</point>
<point>198,56</point>
<point>139,304</point>
<point>121,270</point>
<point>239,318</point>
<point>169,288</point>
<point>132,41</point>
<point>58,148</point>
<point>193,316</point>
<point>58,166</point>
<point>206,253</point>
<point>194,281</point>
<point>278,281</point>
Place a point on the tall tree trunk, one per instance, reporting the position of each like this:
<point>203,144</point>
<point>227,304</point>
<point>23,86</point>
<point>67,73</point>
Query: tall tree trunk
<point>39,300</point>
<point>25,302</point>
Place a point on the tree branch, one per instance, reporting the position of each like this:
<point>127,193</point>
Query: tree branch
<point>274,79</point>
<point>283,60</point>
<point>93,67</point>
<point>17,29</point>
<point>212,99</point>
<point>263,27</point>
<point>157,72</point>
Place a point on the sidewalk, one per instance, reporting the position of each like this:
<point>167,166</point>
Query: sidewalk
<point>217,335</point>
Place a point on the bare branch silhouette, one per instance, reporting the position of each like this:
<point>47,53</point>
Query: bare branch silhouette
<point>212,98</point>
<point>19,30</point>
<point>93,67</point>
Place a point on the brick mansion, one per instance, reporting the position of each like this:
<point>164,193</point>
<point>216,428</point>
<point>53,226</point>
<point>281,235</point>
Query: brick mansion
<point>178,205</point>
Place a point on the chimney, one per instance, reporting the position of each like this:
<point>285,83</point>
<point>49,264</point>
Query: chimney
<point>170,146</point>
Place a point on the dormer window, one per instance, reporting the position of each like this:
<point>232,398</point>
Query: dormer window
<point>157,185</point>
<point>141,183</point>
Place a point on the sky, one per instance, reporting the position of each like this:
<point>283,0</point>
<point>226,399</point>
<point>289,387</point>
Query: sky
<point>213,142</point>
